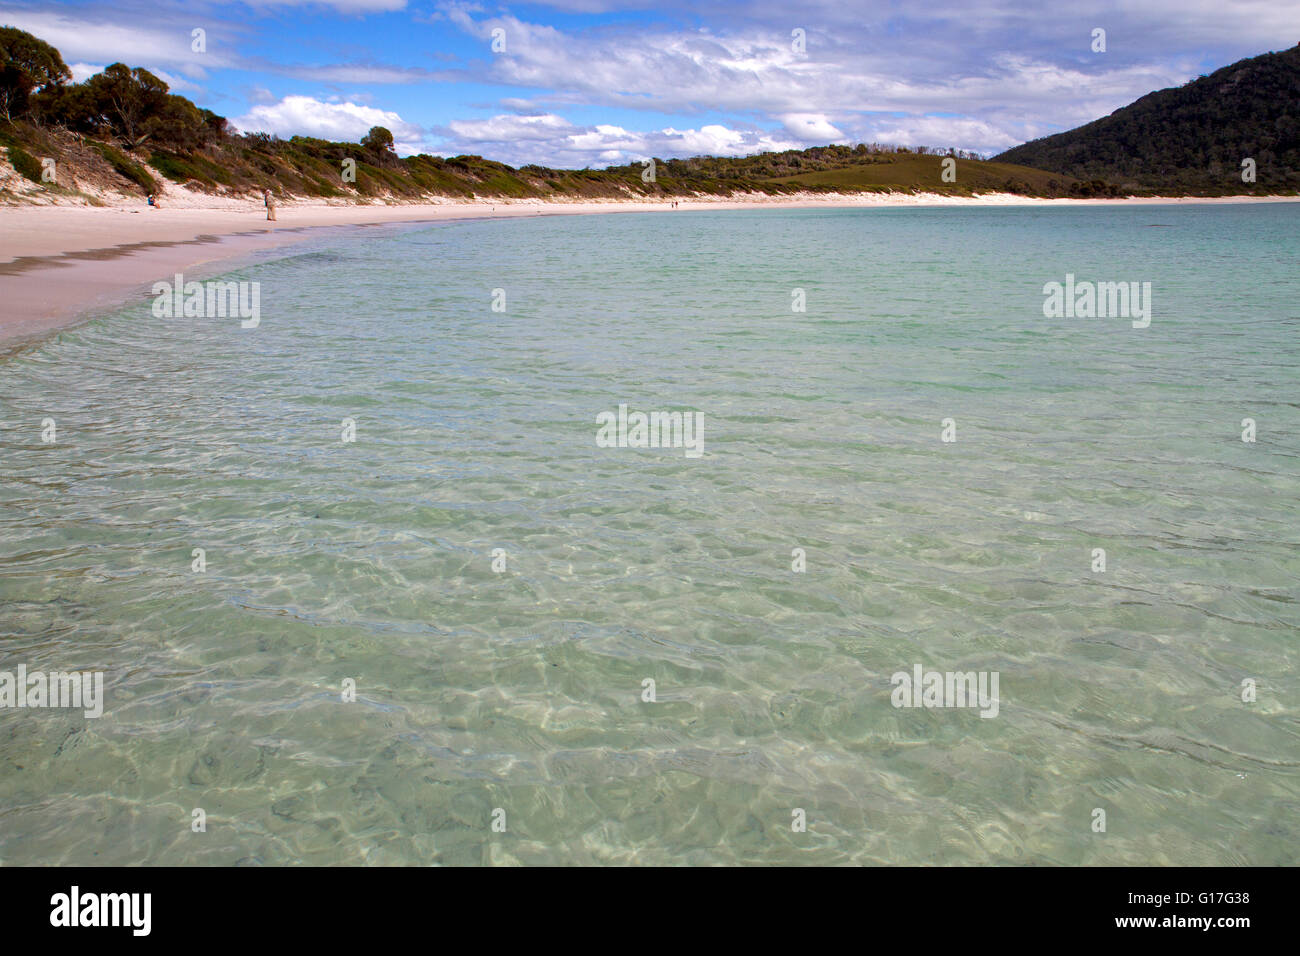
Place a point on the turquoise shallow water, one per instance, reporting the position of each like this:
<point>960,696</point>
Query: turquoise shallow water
<point>521,690</point>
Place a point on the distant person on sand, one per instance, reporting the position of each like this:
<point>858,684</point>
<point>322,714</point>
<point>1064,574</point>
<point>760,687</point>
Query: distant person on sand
<point>270,206</point>
<point>152,201</point>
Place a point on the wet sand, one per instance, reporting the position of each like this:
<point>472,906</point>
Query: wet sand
<point>41,293</point>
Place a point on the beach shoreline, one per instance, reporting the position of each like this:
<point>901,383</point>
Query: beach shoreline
<point>60,264</point>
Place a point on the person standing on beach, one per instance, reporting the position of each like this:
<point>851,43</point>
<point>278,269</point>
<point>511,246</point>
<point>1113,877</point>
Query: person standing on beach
<point>270,206</point>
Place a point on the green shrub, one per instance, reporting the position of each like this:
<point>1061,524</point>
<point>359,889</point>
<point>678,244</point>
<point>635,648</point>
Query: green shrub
<point>179,170</point>
<point>127,167</point>
<point>25,163</point>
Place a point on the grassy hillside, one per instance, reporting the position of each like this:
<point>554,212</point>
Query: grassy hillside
<point>311,168</point>
<point>909,171</point>
<point>1191,139</point>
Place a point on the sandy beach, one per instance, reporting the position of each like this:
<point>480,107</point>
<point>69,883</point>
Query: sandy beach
<point>61,263</point>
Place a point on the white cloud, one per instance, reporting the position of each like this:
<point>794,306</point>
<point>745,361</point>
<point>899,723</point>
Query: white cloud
<point>989,74</point>
<point>341,122</point>
<point>550,140</point>
<point>812,126</point>
<point>177,84</point>
<point>507,128</point>
<point>940,131</point>
<point>108,41</point>
<point>84,71</point>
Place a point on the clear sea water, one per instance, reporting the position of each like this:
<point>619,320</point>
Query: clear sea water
<point>522,689</point>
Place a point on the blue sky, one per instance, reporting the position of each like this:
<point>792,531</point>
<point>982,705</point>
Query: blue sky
<point>598,82</point>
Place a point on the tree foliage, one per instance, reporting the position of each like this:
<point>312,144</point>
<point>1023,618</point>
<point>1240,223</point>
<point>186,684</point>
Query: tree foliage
<point>26,64</point>
<point>378,140</point>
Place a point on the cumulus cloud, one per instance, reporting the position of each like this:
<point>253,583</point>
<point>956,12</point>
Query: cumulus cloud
<point>812,126</point>
<point>551,140</point>
<point>84,71</point>
<point>344,122</point>
<point>504,129</point>
<point>987,73</point>
<point>939,131</point>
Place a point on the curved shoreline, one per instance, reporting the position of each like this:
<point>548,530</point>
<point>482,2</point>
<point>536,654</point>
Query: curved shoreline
<point>60,264</point>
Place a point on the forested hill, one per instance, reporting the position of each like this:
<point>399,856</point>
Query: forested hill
<point>1191,138</point>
